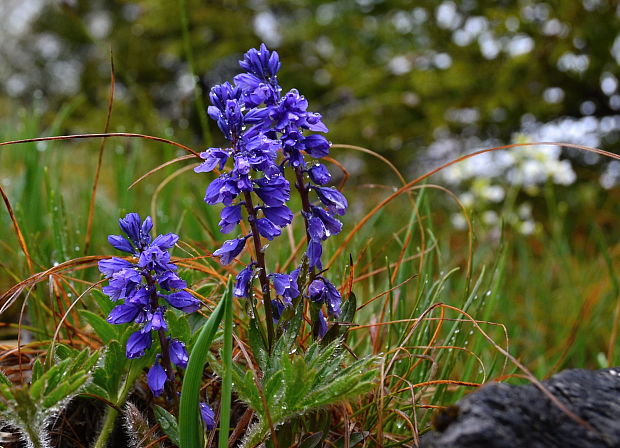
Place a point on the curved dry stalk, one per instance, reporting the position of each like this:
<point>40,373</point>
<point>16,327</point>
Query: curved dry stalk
<point>345,172</point>
<point>75,302</point>
<point>428,174</point>
<point>162,184</point>
<point>103,135</point>
<point>91,207</point>
<point>160,167</point>
<point>374,154</point>
<point>18,232</point>
<point>369,301</point>
<point>530,376</point>
<point>8,297</point>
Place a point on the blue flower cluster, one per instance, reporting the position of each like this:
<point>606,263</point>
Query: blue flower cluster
<point>269,131</point>
<point>140,284</point>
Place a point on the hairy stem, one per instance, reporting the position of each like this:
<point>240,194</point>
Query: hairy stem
<point>262,273</point>
<point>111,413</point>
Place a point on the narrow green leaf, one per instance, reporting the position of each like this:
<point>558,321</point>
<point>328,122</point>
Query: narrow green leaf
<point>167,423</point>
<point>37,370</point>
<point>348,308</point>
<point>64,352</point>
<point>312,441</point>
<point>226,394</point>
<point>190,429</point>
<point>65,390</point>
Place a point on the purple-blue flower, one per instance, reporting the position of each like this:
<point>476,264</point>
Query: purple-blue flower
<point>230,218</point>
<point>280,215</point>
<point>141,283</point>
<point>155,320</point>
<point>271,132</point>
<point>156,378</point>
<point>122,284</point>
<point>121,243</point>
<point>137,232</point>
<point>125,313</point>
<point>178,353</point>
<point>110,266</point>
<point>208,416</point>
<point>333,199</point>
<point>274,191</point>
<point>262,63</point>
<point>222,190</point>
<point>314,252</point>
<point>277,308</point>
<point>137,344</point>
<point>168,280</point>
<point>267,228</point>
<point>316,146</point>
<point>213,157</point>
<point>316,229</point>
<point>322,290</point>
<point>230,249</point>
<point>286,285</point>
<point>319,174</point>
<point>321,324</point>
<point>242,282</point>
<point>332,225</point>
<point>183,301</point>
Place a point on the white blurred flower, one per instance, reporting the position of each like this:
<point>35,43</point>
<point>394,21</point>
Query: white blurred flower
<point>490,217</point>
<point>458,221</point>
<point>525,210</point>
<point>494,193</point>
<point>467,199</point>
<point>527,227</point>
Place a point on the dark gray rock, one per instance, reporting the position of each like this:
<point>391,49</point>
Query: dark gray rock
<point>504,416</point>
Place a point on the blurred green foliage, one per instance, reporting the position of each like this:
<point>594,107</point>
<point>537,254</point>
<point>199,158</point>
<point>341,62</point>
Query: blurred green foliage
<point>392,75</point>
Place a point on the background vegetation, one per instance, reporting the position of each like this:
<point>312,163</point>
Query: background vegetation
<point>418,83</point>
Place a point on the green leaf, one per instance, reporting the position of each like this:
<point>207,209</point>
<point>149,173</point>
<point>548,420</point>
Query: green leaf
<point>37,370</point>
<point>349,308</point>
<point>226,393</point>
<point>348,313</point>
<point>5,379</point>
<point>64,352</point>
<point>94,389</point>
<point>103,301</point>
<point>190,429</point>
<point>114,366</point>
<point>178,326</point>
<point>257,344</point>
<point>312,441</point>
<point>64,390</point>
<point>105,330</point>
<point>167,423</point>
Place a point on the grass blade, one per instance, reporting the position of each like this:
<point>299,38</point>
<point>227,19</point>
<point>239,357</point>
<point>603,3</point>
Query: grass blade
<point>190,428</point>
<point>225,402</point>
